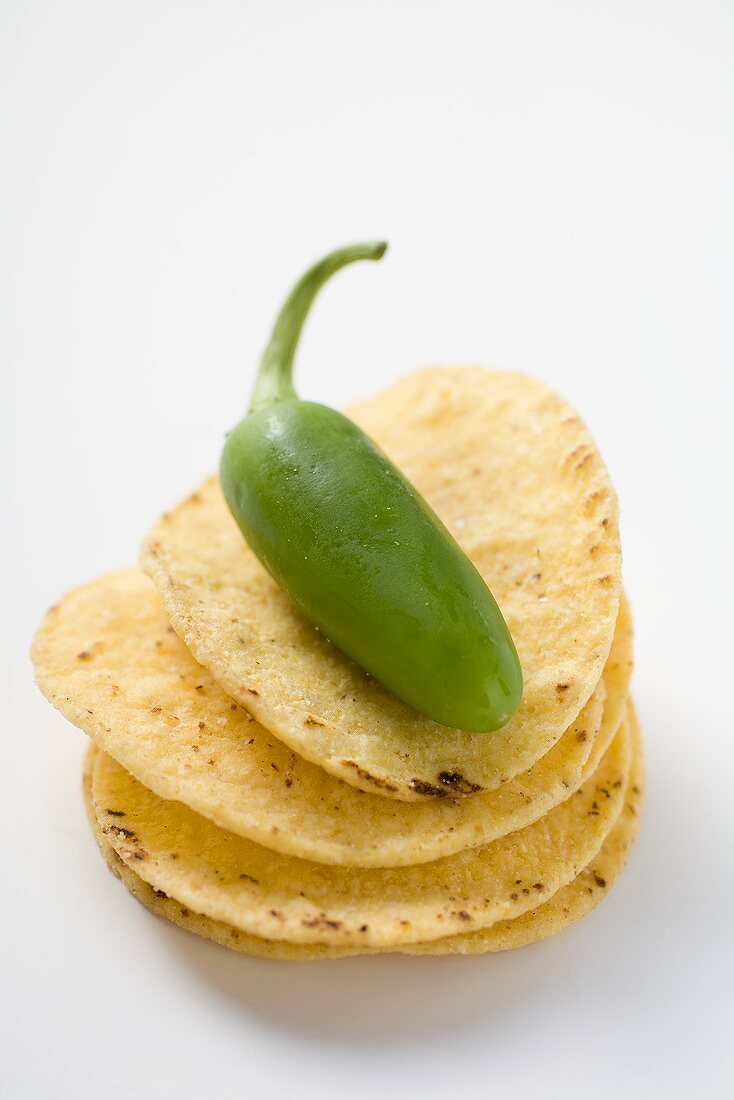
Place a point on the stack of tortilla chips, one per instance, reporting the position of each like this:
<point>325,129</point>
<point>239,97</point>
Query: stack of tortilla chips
<point>250,783</point>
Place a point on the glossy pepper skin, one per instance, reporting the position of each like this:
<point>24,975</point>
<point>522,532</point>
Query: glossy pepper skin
<point>356,547</point>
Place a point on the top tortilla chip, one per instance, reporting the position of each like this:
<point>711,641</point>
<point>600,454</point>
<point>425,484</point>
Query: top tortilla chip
<point>515,476</point>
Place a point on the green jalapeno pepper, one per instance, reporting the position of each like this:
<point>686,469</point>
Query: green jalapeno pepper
<point>357,549</point>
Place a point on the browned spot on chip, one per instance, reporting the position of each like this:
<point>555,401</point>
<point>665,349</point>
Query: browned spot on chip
<point>321,922</point>
<point>458,784</point>
<point>373,780</point>
<point>421,786</point>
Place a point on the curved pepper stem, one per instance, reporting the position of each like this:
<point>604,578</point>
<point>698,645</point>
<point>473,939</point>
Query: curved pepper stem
<point>274,381</point>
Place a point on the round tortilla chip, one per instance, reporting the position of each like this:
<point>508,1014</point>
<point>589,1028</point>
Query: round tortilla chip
<point>108,659</point>
<point>565,907</point>
<point>515,476</point>
<point>231,879</point>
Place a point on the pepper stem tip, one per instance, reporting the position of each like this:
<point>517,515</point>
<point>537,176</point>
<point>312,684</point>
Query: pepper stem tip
<point>273,382</point>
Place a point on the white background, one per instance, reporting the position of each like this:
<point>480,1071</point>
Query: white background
<point>556,181</point>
